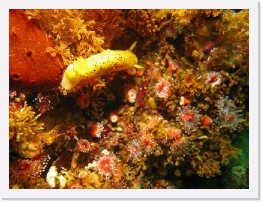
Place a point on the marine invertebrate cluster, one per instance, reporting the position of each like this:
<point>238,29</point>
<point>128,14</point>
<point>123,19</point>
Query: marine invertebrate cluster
<point>45,103</point>
<point>208,165</point>
<point>28,173</point>
<point>28,133</point>
<point>80,32</point>
<point>112,124</point>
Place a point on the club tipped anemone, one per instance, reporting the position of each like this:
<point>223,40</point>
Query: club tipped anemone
<point>173,66</point>
<point>134,149</point>
<point>83,146</point>
<point>106,165</point>
<point>148,143</point>
<point>180,147</point>
<point>83,101</point>
<point>228,115</point>
<point>206,120</point>
<point>214,79</point>
<point>163,88</point>
<point>96,130</point>
<point>114,118</point>
<point>230,119</point>
<point>208,46</point>
<point>130,94</point>
<point>184,101</point>
<point>189,118</point>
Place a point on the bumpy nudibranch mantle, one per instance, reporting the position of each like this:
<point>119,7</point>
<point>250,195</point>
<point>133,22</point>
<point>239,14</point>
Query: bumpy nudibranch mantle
<point>98,65</point>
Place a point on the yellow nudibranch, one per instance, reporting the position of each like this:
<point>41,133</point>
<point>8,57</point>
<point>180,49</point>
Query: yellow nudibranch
<point>82,71</point>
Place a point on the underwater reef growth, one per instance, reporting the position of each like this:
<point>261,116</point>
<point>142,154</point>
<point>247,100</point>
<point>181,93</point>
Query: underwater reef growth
<point>26,132</point>
<point>173,113</point>
<point>80,32</point>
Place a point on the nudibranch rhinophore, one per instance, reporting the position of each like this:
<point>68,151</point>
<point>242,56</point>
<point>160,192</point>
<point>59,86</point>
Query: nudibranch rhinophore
<point>82,71</point>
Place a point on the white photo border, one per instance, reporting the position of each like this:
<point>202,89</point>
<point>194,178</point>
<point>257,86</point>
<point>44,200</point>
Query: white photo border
<point>254,175</point>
